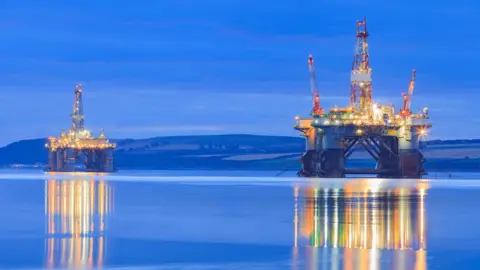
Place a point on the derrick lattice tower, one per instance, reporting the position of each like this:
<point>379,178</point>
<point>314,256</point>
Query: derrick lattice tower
<point>361,76</point>
<point>77,116</point>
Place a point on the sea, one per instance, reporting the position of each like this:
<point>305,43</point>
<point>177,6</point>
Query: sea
<point>237,220</point>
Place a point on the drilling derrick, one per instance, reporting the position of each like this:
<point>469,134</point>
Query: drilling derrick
<point>390,139</point>
<point>77,115</point>
<point>361,76</point>
<point>78,150</point>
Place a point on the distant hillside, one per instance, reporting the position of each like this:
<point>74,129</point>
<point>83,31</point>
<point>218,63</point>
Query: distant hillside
<point>25,152</point>
<point>176,152</point>
<point>237,152</point>
<point>211,144</point>
<point>207,152</point>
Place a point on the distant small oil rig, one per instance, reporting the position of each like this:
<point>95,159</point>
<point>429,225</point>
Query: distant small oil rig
<point>393,140</point>
<point>77,150</point>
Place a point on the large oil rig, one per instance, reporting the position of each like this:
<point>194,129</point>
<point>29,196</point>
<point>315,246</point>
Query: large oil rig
<point>392,139</point>
<point>77,150</point>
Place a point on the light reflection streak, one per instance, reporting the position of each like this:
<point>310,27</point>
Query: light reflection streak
<point>76,216</point>
<point>362,225</point>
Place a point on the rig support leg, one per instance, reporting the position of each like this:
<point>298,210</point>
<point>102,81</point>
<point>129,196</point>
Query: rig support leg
<point>331,161</point>
<point>411,163</point>
<point>70,158</point>
<point>90,159</point>
<point>308,164</point>
<point>309,158</point>
<point>388,160</point>
<point>411,158</point>
<point>108,163</point>
<point>52,160</point>
<point>98,159</point>
<point>60,164</point>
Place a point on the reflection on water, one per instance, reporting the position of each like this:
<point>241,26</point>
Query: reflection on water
<point>362,226</point>
<point>76,216</point>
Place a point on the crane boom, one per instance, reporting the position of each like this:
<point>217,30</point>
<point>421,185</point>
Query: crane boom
<point>410,90</point>
<point>407,98</point>
<point>313,87</point>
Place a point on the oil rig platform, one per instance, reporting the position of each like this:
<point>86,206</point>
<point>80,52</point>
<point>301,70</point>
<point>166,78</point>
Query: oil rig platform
<point>77,150</point>
<point>391,138</point>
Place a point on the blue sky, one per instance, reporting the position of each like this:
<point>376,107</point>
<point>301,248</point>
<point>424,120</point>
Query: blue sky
<point>153,68</point>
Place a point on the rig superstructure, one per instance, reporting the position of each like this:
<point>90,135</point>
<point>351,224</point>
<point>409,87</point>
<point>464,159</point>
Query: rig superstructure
<point>95,154</point>
<point>392,139</point>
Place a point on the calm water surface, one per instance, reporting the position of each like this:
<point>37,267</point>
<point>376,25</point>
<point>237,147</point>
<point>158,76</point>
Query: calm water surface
<point>166,220</point>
